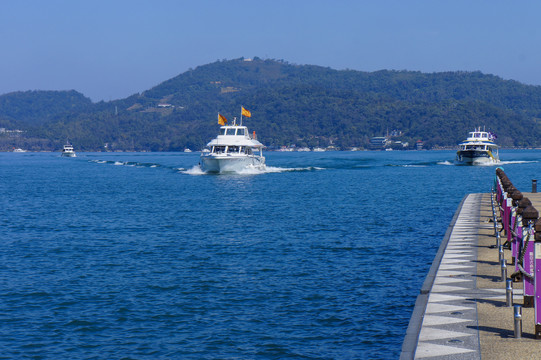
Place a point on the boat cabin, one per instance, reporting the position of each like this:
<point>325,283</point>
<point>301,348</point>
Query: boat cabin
<point>233,131</point>
<point>234,140</point>
<point>479,135</point>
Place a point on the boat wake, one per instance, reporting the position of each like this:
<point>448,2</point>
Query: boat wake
<point>499,163</point>
<point>446,162</point>
<point>272,169</point>
<point>196,170</point>
<point>422,164</point>
<point>517,162</point>
<point>413,166</point>
<point>125,163</point>
<point>452,163</point>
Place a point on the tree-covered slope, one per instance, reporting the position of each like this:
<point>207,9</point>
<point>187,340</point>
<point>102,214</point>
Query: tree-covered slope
<point>304,105</point>
<point>38,107</point>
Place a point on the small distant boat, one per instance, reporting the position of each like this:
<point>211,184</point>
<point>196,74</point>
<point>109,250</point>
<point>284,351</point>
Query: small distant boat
<point>68,151</point>
<point>19,150</point>
<point>187,150</point>
<point>233,150</point>
<point>478,149</point>
<point>318,149</point>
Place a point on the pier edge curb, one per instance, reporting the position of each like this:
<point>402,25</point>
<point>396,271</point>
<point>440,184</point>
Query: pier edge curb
<point>414,327</point>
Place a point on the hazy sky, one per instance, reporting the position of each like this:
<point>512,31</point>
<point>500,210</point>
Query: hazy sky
<point>110,49</point>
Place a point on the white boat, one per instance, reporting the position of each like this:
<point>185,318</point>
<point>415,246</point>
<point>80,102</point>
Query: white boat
<point>19,150</point>
<point>67,151</point>
<point>233,150</point>
<point>187,150</point>
<point>478,149</point>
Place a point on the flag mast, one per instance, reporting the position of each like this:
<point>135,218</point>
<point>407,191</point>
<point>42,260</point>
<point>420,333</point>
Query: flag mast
<point>241,107</point>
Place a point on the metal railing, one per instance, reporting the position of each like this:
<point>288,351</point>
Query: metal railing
<point>514,215</point>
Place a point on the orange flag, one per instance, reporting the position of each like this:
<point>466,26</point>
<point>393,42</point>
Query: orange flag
<point>245,112</point>
<point>221,119</point>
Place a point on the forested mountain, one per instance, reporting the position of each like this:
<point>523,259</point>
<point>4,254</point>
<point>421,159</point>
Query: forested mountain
<point>39,107</point>
<point>303,105</point>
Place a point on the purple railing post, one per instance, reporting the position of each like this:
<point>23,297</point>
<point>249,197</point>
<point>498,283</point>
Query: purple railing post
<point>512,214</point>
<point>517,245</point>
<point>537,266</point>
<point>529,216</point>
<point>500,175</point>
<point>516,196</point>
<point>506,216</point>
<point>516,248</point>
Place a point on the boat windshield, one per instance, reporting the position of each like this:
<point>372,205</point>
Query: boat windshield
<point>218,149</point>
<point>230,132</point>
<point>233,149</point>
<point>474,147</point>
<point>240,132</point>
<point>222,131</point>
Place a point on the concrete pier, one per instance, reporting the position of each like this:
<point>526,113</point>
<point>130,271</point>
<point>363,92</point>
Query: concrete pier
<point>461,312</point>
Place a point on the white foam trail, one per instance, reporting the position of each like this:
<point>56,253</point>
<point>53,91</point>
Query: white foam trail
<point>517,162</point>
<point>118,163</point>
<point>196,170</point>
<point>446,163</point>
<point>250,170</point>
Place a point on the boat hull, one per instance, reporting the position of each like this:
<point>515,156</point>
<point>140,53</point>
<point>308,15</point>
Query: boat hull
<point>68,154</point>
<point>231,164</point>
<point>476,157</point>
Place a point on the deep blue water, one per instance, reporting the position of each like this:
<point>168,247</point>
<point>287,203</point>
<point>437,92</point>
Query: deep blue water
<point>137,256</point>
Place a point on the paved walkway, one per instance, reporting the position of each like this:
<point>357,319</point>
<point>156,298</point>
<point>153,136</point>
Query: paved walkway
<point>463,314</point>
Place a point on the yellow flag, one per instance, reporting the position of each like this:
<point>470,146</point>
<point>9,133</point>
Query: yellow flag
<point>245,112</point>
<point>221,119</point>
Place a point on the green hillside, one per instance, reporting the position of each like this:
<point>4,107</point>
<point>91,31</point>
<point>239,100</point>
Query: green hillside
<point>303,105</point>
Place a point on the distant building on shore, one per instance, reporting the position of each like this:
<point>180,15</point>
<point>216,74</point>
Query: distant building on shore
<point>378,142</point>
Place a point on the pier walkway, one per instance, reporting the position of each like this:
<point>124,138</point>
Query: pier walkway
<point>461,312</point>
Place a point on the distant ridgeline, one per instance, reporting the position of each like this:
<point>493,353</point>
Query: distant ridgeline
<point>300,105</point>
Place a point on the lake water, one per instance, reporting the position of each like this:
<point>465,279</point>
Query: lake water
<point>140,256</point>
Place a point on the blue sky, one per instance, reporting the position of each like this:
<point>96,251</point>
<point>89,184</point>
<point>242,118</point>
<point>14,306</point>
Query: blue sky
<point>110,49</point>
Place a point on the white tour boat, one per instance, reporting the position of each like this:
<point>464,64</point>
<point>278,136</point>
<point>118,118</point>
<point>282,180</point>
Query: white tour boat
<point>478,149</point>
<point>68,151</point>
<point>233,150</point>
